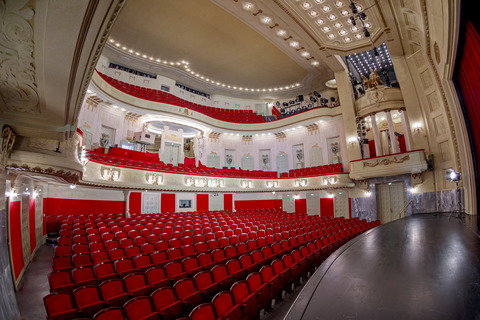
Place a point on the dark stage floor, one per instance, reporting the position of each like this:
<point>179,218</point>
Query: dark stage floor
<point>422,267</point>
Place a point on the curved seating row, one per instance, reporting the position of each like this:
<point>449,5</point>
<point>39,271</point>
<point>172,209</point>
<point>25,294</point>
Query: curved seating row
<point>230,115</point>
<point>136,268</point>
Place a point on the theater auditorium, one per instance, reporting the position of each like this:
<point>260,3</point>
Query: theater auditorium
<point>239,159</point>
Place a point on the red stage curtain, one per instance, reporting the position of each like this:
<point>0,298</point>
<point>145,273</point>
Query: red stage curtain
<point>371,148</point>
<point>16,237</point>
<point>469,83</point>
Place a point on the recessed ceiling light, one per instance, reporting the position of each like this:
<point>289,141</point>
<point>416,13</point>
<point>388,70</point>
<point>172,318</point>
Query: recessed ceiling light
<point>313,13</point>
<point>338,25</point>
<point>345,13</point>
<point>326,8</point>
<point>367,25</point>
<point>281,32</point>
<point>248,6</point>
<point>266,20</point>
<point>326,29</point>
<point>331,36</point>
<point>343,32</point>
<point>305,54</point>
<point>339,4</point>
<point>354,29</point>
<point>332,17</point>
<point>306,5</point>
<point>320,21</point>
<point>315,63</point>
<point>347,39</point>
<point>319,1</point>
<point>294,44</point>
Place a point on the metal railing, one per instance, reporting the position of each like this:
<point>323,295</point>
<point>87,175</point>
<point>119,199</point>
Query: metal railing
<point>405,209</point>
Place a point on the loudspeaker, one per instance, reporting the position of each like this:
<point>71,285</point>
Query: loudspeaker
<point>300,98</point>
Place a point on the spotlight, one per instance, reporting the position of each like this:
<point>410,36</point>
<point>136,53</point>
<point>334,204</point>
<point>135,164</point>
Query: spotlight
<point>375,51</point>
<point>316,94</point>
<point>277,103</point>
<point>313,99</point>
<point>366,32</point>
<point>352,20</point>
<point>453,175</point>
<point>362,15</point>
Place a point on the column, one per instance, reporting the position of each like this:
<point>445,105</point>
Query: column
<point>376,136</point>
<point>126,195</point>
<point>391,130</point>
<point>406,129</point>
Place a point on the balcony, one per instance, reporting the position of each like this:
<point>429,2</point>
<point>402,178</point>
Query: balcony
<point>411,162</point>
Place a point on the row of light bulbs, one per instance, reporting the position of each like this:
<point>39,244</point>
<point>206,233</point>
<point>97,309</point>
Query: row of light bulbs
<point>186,66</point>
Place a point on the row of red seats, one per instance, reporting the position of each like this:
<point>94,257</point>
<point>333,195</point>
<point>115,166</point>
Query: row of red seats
<point>315,171</point>
<point>142,285</point>
<point>231,115</point>
<point>97,155</point>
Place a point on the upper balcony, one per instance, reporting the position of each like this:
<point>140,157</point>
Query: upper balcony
<point>152,101</point>
<point>411,162</point>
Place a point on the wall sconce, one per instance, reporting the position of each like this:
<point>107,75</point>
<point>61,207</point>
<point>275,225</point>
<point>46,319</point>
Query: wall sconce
<point>300,182</point>
<point>331,195</point>
<point>352,141</point>
<point>246,183</point>
<point>11,193</point>
<point>368,193</point>
<point>110,174</point>
<point>200,182</point>
<point>418,129</point>
<point>213,183</point>
<point>35,192</point>
<point>153,178</point>
<point>272,184</point>
<point>330,180</point>
<point>189,181</point>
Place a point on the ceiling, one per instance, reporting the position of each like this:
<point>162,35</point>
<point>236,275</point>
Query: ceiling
<point>261,48</point>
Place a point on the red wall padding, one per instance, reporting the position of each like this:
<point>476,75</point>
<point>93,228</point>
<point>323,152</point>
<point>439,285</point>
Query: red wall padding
<point>44,213</point>
<point>16,238</point>
<point>31,222</point>
<point>202,202</point>
<point>258,204</point>
<point>371,148</point>
<point>300,205</point>
<point>228,202</point>
<point>168,202</point>
<point>135,202</point>
<point>54,206</point>
<point>326,207</point>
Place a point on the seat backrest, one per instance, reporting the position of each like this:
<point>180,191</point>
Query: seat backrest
<point>111,288</point>
<point>222,302</point>
<point>112,313</point>
<point>184,287</point>
<point>99,256</point>
<point>85,295</point>
<point>203,279</point>
<point>204,259</point>
<point>155,275</point>
<point>82,274</point>
<point>134,281</point>
<point>246,260</point>
<point>203,311</point>
<point>103,268</point>
<point>233,266</point>
<point>58,302</point>
<point>278,266</point>
<point>122,265</point>
<point>189,264</point>
<point>59,278</point>
<point>219,272</point>
<point>173,268</point>
<point>254,281</point>
<point>239,291</point>
<point>138,308</point>
<point>162,297</point>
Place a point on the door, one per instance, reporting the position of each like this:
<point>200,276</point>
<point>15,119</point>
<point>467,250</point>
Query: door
<point>390,200</point>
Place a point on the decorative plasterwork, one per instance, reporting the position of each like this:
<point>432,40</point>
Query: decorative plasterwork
<point>18,91</point>
<point>390,165</point>
<point>68,176</point>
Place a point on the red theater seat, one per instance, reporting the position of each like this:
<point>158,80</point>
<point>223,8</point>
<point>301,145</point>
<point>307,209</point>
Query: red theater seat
<point>166,304</point>
<point>140,308</point>
<point>203,312</point>
<point>187,293</point>
<point>247,300</point>
<point>59,306</point>
<point>88,300</point>
<point>112,313</point>
<point>60,281</point>
<point>113,292</point>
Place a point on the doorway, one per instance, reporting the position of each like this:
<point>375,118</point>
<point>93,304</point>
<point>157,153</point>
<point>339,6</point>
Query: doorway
<point>390,200</point>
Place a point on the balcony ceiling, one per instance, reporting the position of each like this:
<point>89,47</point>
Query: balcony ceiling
<point>249,44</point>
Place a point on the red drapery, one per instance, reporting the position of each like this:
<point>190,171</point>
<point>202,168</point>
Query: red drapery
<point>469,83</point>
